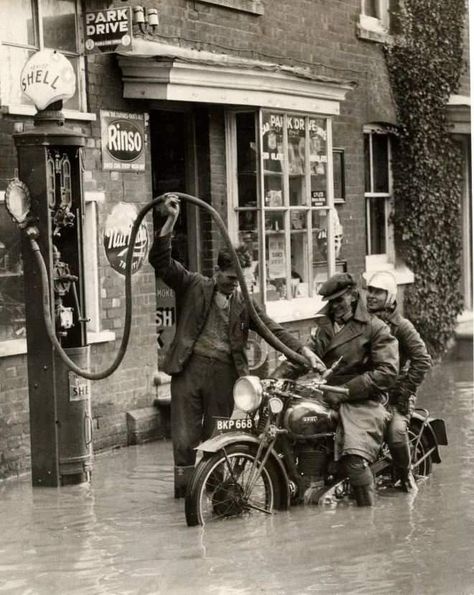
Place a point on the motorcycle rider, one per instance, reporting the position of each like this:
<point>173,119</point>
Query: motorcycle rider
<point>208,352</point>
<point>368,368</point>
<point>415,362</point>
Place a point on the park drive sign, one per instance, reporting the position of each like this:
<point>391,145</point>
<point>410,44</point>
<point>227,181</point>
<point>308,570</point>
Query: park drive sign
<point>47,77</point>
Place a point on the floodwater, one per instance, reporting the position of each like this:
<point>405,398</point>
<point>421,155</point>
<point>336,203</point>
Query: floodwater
<point>125,534</point>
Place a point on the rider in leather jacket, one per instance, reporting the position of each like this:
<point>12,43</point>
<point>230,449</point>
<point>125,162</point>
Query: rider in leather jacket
<point>370,364</point>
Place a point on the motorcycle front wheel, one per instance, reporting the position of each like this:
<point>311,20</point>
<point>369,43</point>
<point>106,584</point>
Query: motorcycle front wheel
<point>225,485</point>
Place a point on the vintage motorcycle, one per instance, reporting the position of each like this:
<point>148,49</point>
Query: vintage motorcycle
<point>281,451</point>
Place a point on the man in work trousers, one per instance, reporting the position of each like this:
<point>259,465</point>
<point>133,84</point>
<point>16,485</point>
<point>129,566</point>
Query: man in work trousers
<point>208,353</point>
<point>415,362</point>
<point>368,368</point>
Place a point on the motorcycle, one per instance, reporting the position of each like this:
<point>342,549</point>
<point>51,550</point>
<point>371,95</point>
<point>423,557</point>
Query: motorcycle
<point>281,451</point>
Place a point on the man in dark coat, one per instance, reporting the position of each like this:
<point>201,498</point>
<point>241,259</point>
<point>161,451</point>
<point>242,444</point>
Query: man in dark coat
<point>368,368</point>
<point>208,352</point>
<point>415,362</point>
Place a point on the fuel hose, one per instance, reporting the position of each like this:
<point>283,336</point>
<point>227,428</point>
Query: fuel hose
<point>263,331</point>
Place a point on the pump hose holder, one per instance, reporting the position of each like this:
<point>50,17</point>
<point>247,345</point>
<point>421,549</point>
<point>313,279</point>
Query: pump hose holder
<point>262,329</point>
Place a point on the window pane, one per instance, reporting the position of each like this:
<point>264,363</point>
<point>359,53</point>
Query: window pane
<point>246,160</point>
<point>20,13</point>
<point>320,252</point>
<point>12,64</point>
<point>272,141</point>
<point>12,309</point>
<point>377,230</point>
<point>296,159</point>
<point>368,185</point>
<point>371,8</point>
<point>59,24</point>
<point>249,237</point>
<point>276,266</point>
<point>318,160</point>
<point>299,264</point>
<point>380,162</point>
<point>273,190</point>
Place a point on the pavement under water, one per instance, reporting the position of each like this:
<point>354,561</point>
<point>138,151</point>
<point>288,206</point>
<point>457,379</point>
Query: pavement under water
<point>125,534</point>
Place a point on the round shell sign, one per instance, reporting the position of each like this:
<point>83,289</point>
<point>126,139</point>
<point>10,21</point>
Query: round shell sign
<point>118,227</point>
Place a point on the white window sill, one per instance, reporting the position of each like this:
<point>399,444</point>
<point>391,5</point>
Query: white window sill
<point>372,29</point>
<point>29,110</point>
<point>293,310</point>
<point>18,346</point>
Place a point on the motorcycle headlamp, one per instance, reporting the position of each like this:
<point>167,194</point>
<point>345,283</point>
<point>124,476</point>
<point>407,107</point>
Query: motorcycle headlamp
<point>248,393</point>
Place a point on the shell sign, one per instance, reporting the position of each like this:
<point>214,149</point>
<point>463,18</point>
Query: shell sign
<point>123,141</point>
<point>48,77</point>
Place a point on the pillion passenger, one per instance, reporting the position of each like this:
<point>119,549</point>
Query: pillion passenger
<point>415,362</point>
<point>369,367</point>
<point>208,352</point>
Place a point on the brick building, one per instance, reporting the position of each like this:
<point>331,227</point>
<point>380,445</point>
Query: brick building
<point>279,114</point>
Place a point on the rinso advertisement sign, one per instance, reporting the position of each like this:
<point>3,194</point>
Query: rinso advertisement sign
<point>123,141</point>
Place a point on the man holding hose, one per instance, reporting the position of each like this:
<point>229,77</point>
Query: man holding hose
<point>208,352</point>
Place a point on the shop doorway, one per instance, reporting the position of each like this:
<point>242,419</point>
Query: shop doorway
<point>174,170</point>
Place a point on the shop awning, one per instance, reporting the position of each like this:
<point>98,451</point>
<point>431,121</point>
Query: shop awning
<point>152,70</point>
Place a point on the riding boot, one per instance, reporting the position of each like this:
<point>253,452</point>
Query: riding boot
<point>401,464</point>
<point>364,495</point>
<point>182,476</point>
<point>361,479</point>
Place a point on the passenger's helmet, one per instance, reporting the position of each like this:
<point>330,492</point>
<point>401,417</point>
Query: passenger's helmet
<point>385,280</point>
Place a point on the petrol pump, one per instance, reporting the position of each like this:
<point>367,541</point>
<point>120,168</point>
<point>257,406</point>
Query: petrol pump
<point>47,201</point>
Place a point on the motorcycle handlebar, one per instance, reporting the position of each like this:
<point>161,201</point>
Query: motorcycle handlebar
<point>341,390</point>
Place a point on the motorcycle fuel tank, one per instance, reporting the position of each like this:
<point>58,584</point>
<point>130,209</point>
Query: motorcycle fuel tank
<point>308,419</point>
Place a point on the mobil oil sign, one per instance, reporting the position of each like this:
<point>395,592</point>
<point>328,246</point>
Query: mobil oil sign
<point>123,141</point>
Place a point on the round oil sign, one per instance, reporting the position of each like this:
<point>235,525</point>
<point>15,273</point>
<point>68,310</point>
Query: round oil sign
<point>118,227</point>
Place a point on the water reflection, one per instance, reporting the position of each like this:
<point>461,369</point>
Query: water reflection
<point>125,533</point>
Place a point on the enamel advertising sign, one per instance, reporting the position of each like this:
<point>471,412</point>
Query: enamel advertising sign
<point>108,30</point>
<point>123,141</point>
<point>118,227</point>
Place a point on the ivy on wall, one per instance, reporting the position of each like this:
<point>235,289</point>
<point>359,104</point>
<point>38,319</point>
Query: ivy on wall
<point>425,62</point>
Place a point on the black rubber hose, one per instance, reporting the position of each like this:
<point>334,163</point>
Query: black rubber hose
<point>263,330</point>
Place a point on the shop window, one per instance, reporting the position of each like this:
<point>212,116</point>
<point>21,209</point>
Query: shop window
<point>378,195</point>
<point>282,205</point>
<point>38,24</point>
<point>12,308</point>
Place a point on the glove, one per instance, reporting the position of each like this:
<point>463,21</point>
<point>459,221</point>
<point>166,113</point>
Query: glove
<point>313,360</point>
<point>334,399</point>
<point>405,403</point>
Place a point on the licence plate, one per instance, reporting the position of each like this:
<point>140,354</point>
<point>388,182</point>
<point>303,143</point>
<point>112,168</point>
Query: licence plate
<point>223,424</point>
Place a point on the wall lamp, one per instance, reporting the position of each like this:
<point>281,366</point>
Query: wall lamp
<point>145,18</point>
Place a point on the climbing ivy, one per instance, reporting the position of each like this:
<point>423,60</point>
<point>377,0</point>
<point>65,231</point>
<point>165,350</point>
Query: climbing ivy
<point>425,62</point>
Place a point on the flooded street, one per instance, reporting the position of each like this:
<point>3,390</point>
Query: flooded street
<point>125,534</point>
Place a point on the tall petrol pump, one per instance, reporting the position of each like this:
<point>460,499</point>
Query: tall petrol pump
<point>49,167</point>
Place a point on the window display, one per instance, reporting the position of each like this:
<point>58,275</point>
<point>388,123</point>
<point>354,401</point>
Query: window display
<point>12,308</point>
<point>289,156</point>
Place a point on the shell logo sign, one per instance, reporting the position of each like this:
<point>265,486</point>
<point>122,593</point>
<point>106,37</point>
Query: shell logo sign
<point>48,77</point>
<point>123,141</point>
<point>118,227</point>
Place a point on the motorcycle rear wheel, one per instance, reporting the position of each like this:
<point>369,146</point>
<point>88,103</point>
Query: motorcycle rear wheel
<point>421,463</point>
<point>217,489</point>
